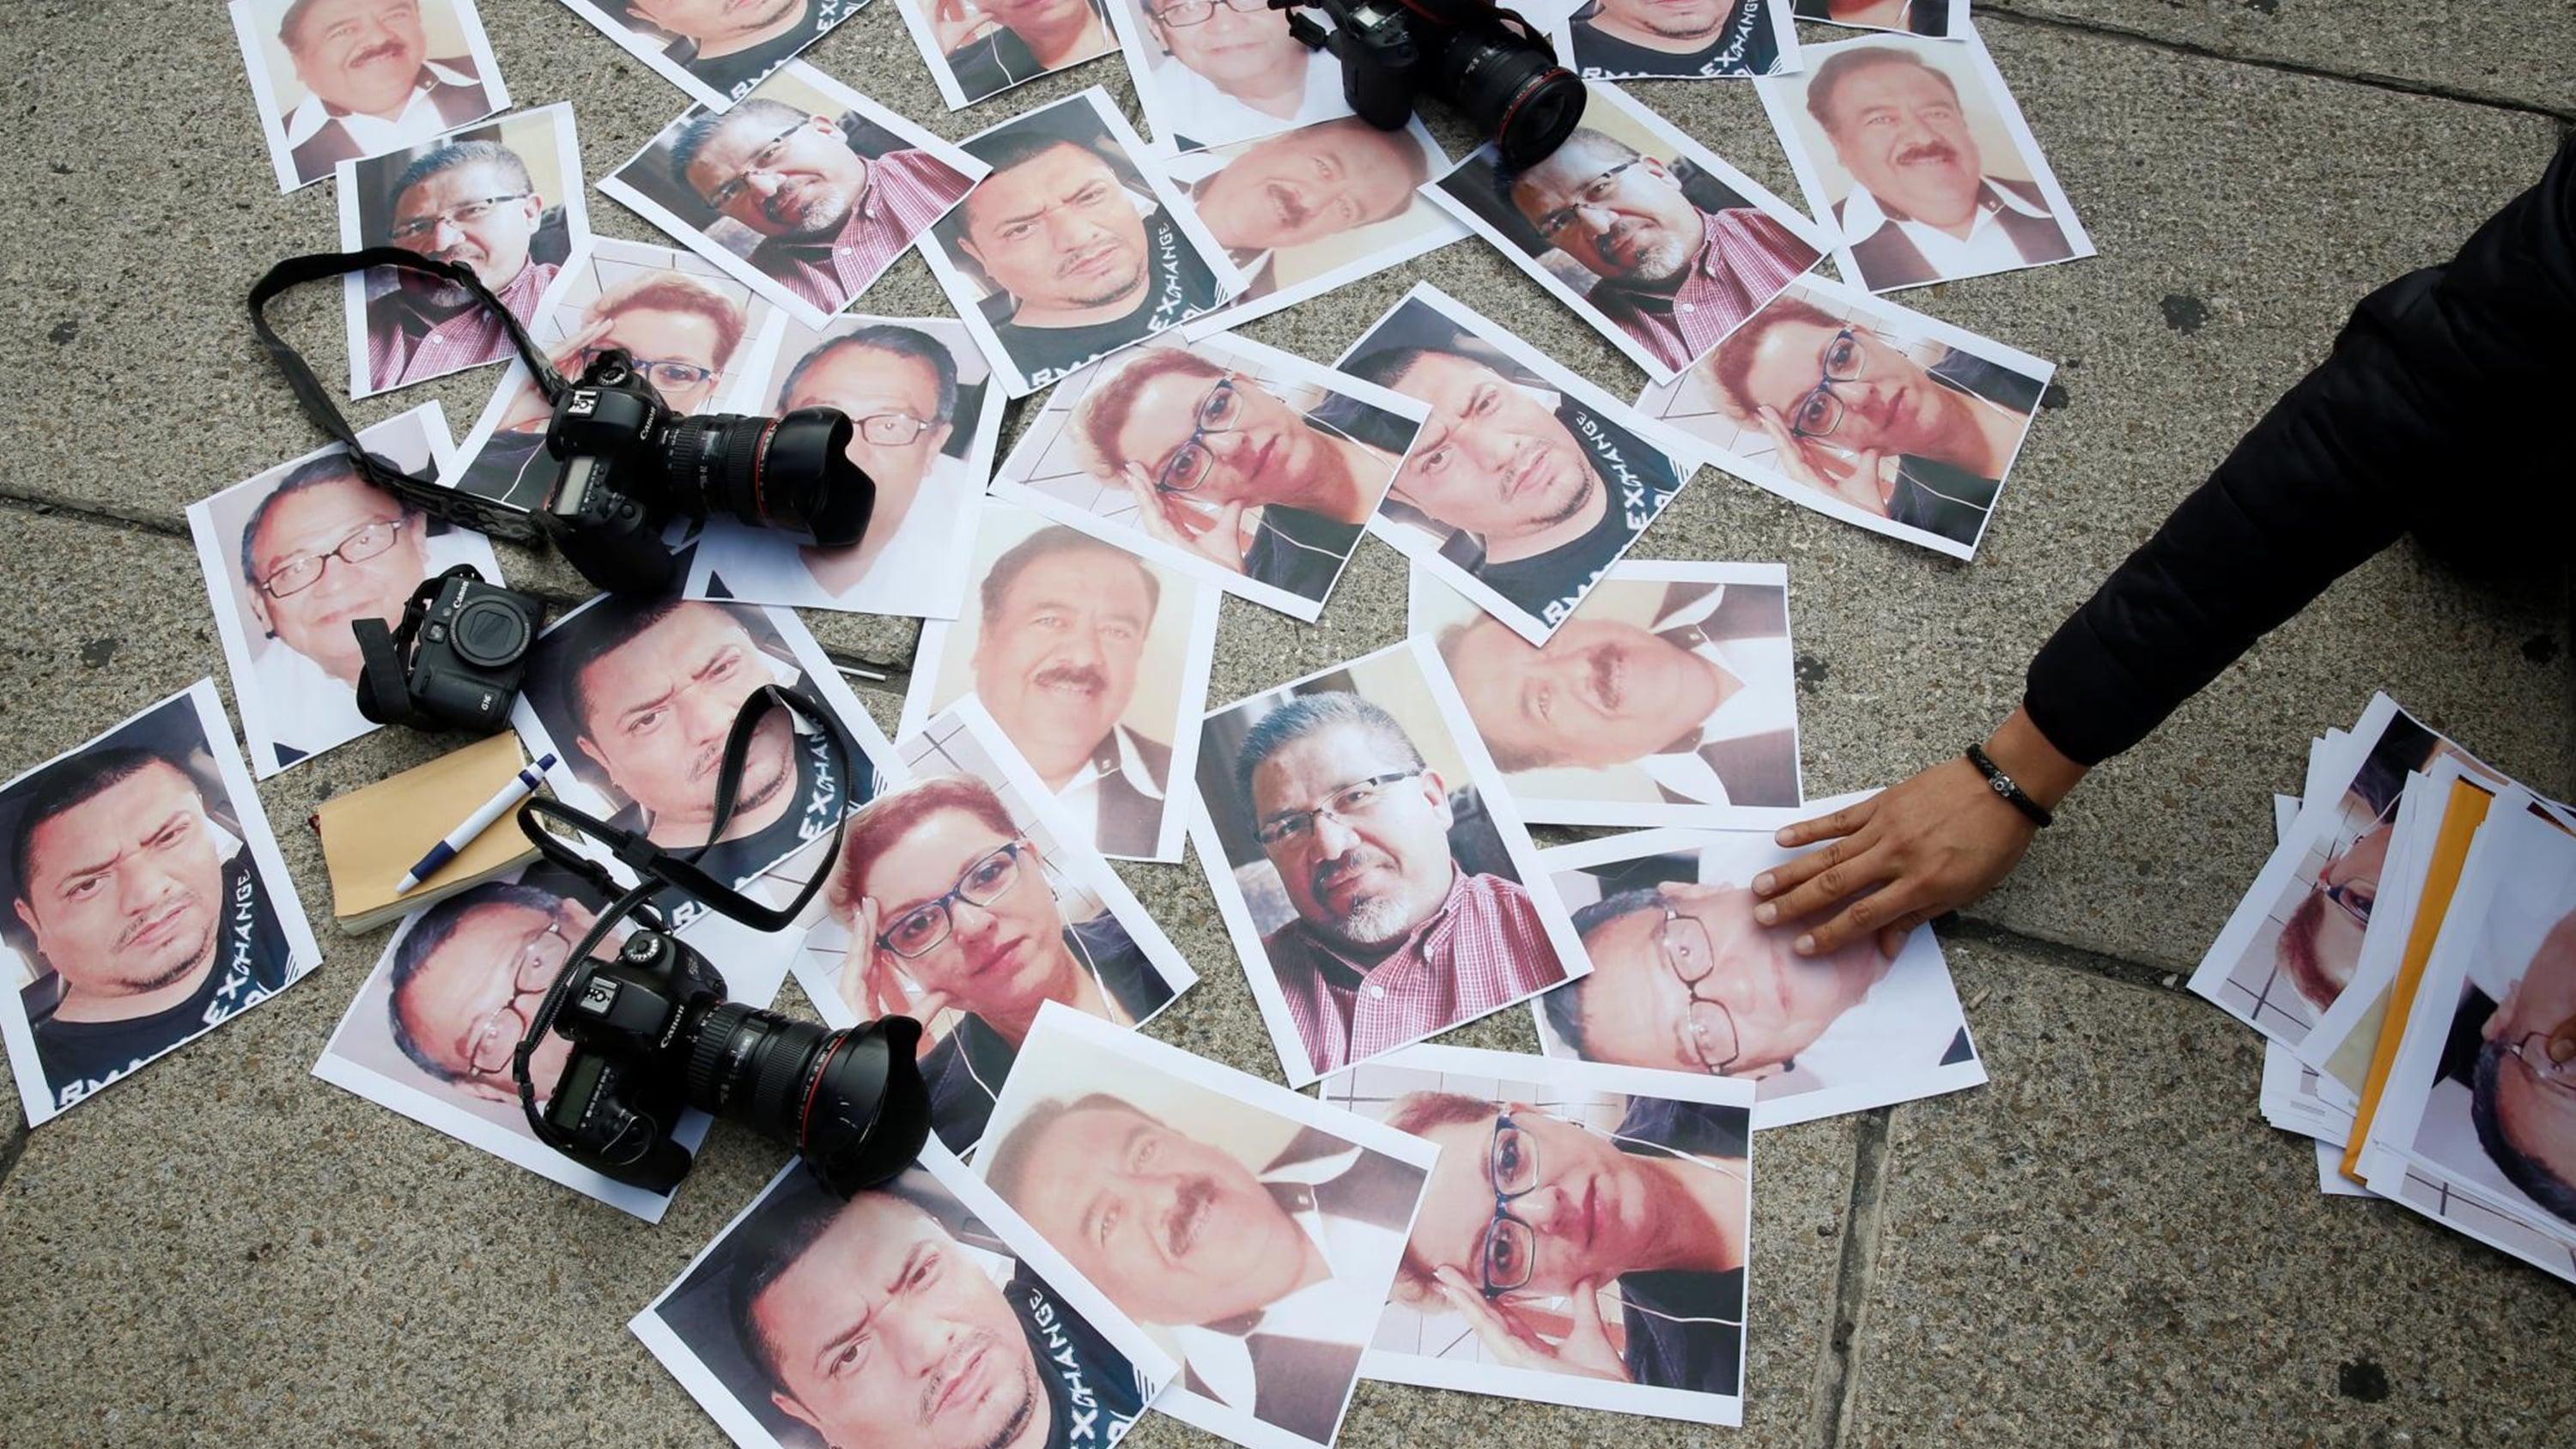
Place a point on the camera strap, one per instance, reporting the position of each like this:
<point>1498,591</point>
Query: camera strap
<point>491,516</point>
<point>384,685</point>
<point>680,870</point>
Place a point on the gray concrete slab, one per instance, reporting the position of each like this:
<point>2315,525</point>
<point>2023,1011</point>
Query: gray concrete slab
<point>2109,1246</point>
<point>2509,54</point>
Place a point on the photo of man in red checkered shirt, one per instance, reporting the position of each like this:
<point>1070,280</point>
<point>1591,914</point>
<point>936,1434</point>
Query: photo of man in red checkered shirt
<point>831,216</point>
<point>1394,938</point>
<point>471,202</point>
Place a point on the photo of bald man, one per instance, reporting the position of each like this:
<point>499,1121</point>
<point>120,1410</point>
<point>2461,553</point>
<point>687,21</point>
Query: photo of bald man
<point>147,902</point>
<point>339,80</point>
<point>472,198</point>
<point>923,1314</point>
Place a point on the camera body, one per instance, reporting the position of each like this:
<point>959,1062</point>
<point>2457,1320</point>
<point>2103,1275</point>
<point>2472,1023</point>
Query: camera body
<point>629,467</point>
<point>1489,63</point>
<point>653,1036</point>
<point>457,658</point>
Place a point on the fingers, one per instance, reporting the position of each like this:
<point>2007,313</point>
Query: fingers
<point>1823,827</point>
<point>1223,540</point>
<point>1840,847</point>
<point>1505,1338</point>
<point>1851,871</point>
<point>1791,451</point>
<point>1149,505</point>
<point>1866,917</point>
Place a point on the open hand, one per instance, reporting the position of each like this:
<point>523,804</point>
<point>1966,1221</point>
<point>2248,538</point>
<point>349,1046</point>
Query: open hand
<point>868,981</point>
<point>1218,539</point>
<point>1809,463</point>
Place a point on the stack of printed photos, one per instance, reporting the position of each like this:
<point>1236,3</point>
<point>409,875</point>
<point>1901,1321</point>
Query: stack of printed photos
<point>2410,953</point>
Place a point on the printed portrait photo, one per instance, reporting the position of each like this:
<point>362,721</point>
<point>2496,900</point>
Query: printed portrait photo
<point>716,50</point>
<point>1215,72</point>
<point>147,902</point>
<point>1238,464</point>
<point>1093,663</point>
<point>976,49</point>
<point>923,419</point>
<point>2290,947</point>
<point>1252,1232</point>
<point>1584,1237</point>
<point>686,324</point>
<point>923,1314</point>
<point>431,1031</point>
<point>636,695</point>
<point>1677,39</point>
<point>1305,211</point>
<point>1647,235</point>
<point>1911,17</point>
<point>338,80</point>
<point>1528,482</point>
<point>805,190</point>
<point>1670,698</point>
<point>1067,250</point>
<point>1378,886</point>
<point>502,199</point>
<point>1863,410</point>
<point>965,900</point>
<point>295,555</point>
<point>1915,157</point>
<point>1684,980</point>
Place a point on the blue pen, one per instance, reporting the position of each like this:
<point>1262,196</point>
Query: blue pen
<point>521,786</point>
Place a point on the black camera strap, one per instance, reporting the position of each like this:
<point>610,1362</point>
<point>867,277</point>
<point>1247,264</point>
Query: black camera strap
<point>384,684</point>
<point>489,515</point>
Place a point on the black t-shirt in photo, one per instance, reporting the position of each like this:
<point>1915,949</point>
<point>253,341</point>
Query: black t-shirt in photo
<point>1298,551</point>
<point>1639,481</point>
<point>1744,46</point>
<point>820,798</point>
<point>1090,1385</point>
<point>512,468</point>
<point>965,1071</point>
<point>1703,1353</point>
<point>1179,285</point>
<point>992,63</point>
<point>736,74</point>
<point>253,962</point>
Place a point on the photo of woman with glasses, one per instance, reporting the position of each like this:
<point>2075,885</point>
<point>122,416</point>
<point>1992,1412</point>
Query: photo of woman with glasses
<point>959,914</point>
<point>1251,469</point>
<point>1583,1237</point>
<point>1860,408</point>
<point>1684,980</point>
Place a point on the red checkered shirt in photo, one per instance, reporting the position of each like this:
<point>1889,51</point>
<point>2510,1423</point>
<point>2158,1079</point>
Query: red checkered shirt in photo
<point>1483,949</point>
<point>907,191</point>
<point>1742,262</point>
<point>403,347</point>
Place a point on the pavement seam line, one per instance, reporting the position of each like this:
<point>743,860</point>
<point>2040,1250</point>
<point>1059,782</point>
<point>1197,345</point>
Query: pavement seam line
<point>2433,90</point>
<point>1837,1377</point>
<point>2126,970</point>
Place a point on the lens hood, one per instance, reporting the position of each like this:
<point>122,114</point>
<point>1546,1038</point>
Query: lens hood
<point>807,476</point>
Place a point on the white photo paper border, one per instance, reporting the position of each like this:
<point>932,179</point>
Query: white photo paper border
<point>272,121</point>
<point>35,1093</point>
<point>763,285</point>
<point>651,57</point>
<point>1295,1061</point>
<point>1555,810</point>
<point>1009,485</point>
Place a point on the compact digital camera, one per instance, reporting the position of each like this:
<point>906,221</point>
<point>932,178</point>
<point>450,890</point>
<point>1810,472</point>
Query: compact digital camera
<point>629,466</point>
<point>1495,67</point>
<point>456,659</point>
<point>652,1034</point>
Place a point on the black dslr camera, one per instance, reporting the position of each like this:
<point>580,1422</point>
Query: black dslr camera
<point>652,1034</point>
<point>457,657</point>
<point>1493,66</point>
<point>628,466</point>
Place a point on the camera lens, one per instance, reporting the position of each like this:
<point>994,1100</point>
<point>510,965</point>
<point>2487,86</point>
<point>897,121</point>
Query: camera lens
<point>852,1102</point>
<point>489,633</point>
<point>1512,89</point>
<point>792,473</point>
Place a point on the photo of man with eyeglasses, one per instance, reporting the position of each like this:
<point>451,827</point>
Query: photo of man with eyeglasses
<point>468,973</point>
<point>957,919</point>
<point>295,556</point>
<point>1224,469</point>
<point>1221,71</point>
<point>2320,938</point>
<point>474,200</point>
<point>2519,1065</point>
<point>1405,913</point>
<point>1676,273</point>
<point>1685,980</point>
<point>1853,410</point>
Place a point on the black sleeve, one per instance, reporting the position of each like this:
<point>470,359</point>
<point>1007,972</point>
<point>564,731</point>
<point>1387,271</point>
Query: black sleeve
<point>2429,417</point>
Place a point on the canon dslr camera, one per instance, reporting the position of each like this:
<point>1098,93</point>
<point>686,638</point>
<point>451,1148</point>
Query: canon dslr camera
<point>456,659</point>
<point>652,1034</point>
<point>629,467</point>
<point>1496,68</point>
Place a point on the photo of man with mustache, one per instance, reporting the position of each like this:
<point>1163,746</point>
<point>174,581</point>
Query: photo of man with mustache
<point>1078,256</point>
<point>831,213</point>
<point>1241,1261</point>
<point>370,85</point>
<point>136,906</point>
<point>472,202</point>
<point>1628,39</point>
<point>1301,188</point>
<point>1923,207</point>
